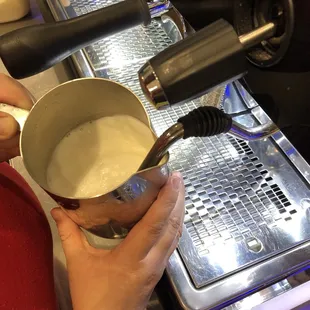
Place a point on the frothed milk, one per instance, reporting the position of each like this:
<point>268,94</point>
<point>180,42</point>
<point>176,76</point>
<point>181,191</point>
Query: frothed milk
<point>98,156</point>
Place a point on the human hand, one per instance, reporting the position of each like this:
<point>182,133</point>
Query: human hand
<point>13,93</point>
<point>124,278</point>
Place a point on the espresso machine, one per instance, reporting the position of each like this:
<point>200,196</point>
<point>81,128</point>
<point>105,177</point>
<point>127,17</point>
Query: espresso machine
<point>247,205</point>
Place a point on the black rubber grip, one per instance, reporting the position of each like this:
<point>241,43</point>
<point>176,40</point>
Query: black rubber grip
<point>33,49</point>
<point>197,64</point>
<point>205,122</point>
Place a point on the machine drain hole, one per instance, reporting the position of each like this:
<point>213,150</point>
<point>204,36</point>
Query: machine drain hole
<point>254,245</point>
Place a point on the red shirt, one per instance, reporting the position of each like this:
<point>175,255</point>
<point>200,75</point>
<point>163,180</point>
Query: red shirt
<point>26,257</point>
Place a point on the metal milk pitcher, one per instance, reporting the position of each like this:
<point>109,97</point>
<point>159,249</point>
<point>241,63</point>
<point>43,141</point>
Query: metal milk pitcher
<point>108,215</point>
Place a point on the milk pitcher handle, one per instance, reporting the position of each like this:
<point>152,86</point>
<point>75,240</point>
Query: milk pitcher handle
<point>19,114</point>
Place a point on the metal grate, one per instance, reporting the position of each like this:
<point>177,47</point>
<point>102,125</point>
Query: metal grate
<point>118,51</point>
<point>229,192</point>
<point>235,196</point>
<point>121,49</point>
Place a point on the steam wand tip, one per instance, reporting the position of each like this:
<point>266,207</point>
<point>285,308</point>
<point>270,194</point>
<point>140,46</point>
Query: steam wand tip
<point>201,122</point>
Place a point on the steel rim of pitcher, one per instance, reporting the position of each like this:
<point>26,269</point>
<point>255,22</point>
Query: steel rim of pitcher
<point>160,165</point>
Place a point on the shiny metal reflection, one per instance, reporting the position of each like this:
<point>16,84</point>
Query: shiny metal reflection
<point>162,145</point>
<point>158,7</point>
<point>257,35</point>
<point>256,133</point>
<point>151,87</point>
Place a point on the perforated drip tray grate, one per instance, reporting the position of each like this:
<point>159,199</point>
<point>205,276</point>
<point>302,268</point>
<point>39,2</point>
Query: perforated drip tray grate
<point>245,202</point>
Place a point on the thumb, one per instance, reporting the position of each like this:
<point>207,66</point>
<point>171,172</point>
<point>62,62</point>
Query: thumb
<point>72,238</point>
<point>8,126</point>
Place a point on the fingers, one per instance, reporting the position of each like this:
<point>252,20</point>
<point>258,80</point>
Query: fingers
<point>172,248</point>
<point>10,143</point>
<point>8,127</point>
<point>152,260</point>
<point>72,238</point>
<point>9,137</point>
<point>170,238</point>
<point>14,93</point>
<point>149,230</point>
<point>6,154</point>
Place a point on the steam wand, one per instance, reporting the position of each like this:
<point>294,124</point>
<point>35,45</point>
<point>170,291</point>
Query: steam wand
<point>33,49</point>
<point>204,122</point>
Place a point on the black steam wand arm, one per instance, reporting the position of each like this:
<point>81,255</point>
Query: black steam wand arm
<point>33,49</point>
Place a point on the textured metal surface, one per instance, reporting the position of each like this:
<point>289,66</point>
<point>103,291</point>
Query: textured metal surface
<point>260,297</point>
<point>245,202</point>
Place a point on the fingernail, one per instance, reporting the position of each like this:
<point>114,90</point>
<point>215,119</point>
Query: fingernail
<point>176,181</point>
<point>55,213</point>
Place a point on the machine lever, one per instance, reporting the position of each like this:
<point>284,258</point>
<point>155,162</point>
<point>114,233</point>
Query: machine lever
<point>194,66</point>
<point>33,49</point>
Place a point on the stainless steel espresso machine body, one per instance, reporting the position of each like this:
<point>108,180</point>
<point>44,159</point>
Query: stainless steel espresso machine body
<point>247,203</point>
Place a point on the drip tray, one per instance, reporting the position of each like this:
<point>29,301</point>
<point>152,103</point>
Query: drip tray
<point>246,204</point>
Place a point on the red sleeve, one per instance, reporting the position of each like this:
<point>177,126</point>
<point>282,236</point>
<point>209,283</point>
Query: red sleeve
<point>26,260</point>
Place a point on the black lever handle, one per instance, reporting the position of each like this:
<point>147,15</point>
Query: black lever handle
<point>33,49</point>
<point>194,66</point>
<point>213,56</point>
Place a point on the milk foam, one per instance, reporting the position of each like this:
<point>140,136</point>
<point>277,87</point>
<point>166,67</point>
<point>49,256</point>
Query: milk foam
<point>98,156</point>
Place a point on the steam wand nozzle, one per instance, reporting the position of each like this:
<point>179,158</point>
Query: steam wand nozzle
<point>204,122</point>
<point>201,122</point>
